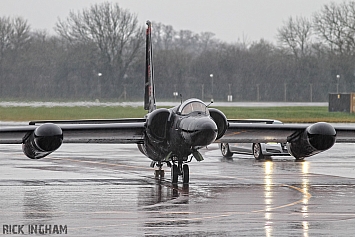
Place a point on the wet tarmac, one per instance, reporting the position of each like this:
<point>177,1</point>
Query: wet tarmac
<point>110,190</point>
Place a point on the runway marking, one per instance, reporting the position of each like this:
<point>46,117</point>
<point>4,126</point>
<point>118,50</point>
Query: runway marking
<point>307,197</point>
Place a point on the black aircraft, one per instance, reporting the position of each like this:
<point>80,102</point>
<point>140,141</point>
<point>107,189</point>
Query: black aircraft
<point>173,136</point>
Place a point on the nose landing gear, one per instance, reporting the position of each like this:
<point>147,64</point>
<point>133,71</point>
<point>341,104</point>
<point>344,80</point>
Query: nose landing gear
<point>159,173</point>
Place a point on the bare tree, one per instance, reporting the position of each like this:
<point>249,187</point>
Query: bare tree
<point>347,19</point>
<point>14,34</point>
<point>5,35</point>
<point>329,24</point>
<point>207,40</point>
<point>335,25</point>
<point>21,33</point>
<point>163,36</point>
<point>296,35</point>
<point>116,33</point>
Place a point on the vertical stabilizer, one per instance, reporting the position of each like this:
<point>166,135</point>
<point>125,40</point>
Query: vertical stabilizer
<point>149,88</point>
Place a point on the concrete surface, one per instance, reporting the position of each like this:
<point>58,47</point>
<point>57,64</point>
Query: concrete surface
<point>110,190</point>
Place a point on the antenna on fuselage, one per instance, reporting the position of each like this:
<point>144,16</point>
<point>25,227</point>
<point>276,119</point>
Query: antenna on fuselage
<point>210,103</point>
<point>180,98</point>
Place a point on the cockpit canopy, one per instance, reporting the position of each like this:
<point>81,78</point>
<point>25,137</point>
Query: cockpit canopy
<point>193,105</point>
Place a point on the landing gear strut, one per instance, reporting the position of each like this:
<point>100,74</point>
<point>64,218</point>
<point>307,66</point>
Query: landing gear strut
<point>160,172</point>
<point>185,174</point>
<point>180,170</point>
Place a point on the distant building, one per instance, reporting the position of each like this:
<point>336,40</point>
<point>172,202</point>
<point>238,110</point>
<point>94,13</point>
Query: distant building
<point>342,102</point>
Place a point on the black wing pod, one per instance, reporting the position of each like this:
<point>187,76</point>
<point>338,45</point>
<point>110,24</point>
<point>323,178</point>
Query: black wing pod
<point>42,141</point>
<point>321,136</point>
<point>314,139</point>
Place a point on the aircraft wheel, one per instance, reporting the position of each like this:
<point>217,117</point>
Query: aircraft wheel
<point>225,150</point>
<point>174,174</point>
<point>185,174</point>
<point>159,173</point>
<point>299,159</point>
<point>258,155</point>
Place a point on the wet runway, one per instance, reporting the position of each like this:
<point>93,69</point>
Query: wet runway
<point>110,190</point>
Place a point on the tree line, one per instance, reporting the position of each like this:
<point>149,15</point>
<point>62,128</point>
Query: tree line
<point>98,53</point>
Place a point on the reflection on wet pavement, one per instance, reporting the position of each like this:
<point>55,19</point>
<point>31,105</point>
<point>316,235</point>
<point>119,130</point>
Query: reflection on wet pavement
<point>118,195</point>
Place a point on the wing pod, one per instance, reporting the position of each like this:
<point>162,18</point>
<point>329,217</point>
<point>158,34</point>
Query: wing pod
<point>221,121</point>
<point>314,139</point>
<point>42,141</point>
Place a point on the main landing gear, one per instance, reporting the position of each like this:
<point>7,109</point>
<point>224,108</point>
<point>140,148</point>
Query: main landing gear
<point>180,170</point>
<point>177,170</point>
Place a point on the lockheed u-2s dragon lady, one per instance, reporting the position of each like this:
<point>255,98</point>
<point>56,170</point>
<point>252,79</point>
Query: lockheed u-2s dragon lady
<point>172,135</point>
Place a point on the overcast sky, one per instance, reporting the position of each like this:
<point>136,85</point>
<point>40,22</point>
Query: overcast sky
<point>230,20</point>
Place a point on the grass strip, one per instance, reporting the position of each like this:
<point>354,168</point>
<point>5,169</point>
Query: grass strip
<point>297,114</point>
<point>292,114</point>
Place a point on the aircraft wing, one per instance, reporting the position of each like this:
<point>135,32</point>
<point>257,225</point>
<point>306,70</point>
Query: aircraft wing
<point>82,131</point>
<point>345,134</point>
<point>259,133</point>
<point>244,132</point>
<point>14,135</point>
<point>103,133</point>
<point>303,140</point>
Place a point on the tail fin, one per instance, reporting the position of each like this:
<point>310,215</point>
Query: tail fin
<point>149,87</point>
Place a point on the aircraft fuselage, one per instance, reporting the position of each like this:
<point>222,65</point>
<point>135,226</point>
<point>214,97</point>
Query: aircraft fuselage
<point>173,135</point>
<point>191,132</point>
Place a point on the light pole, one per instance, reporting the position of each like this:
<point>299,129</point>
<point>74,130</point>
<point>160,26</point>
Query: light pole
<point>211,75</point>
<point>338,77</point>
<point>229,97</point>
<point>175,93</point>
<point>124,92</point>
<point>99,84</point>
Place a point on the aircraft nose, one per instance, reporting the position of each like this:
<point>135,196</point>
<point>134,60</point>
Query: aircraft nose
<point>205,133</point>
